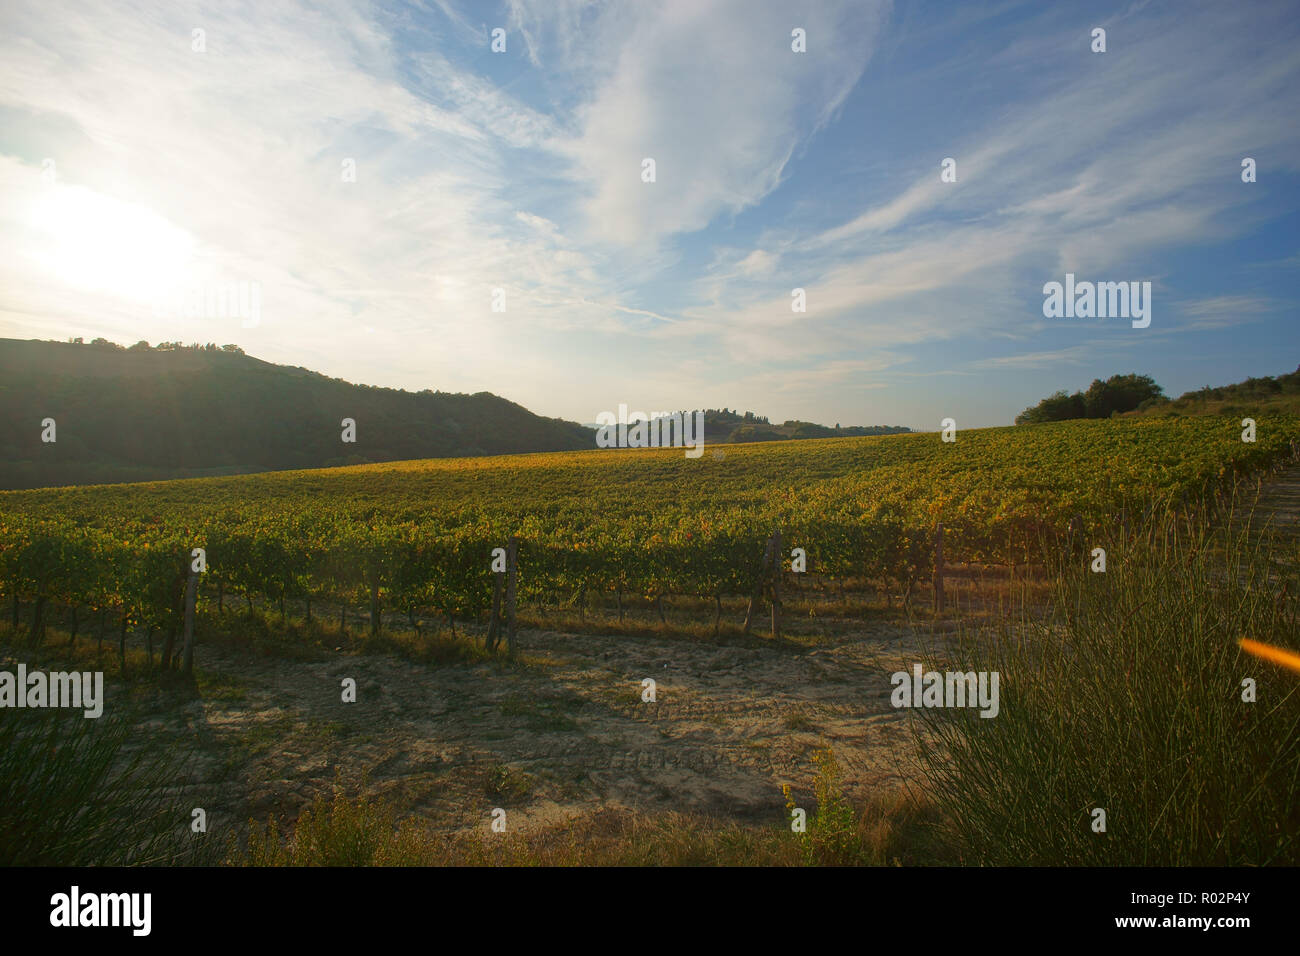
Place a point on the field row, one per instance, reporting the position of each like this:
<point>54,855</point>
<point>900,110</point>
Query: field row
<point>415,535</point>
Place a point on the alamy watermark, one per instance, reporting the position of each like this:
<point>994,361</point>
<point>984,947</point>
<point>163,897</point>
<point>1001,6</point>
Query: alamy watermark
<point>240,299</point>
<point>656,430</point>
<point>1100,300</point>
<point>75,908</point>
<point>81,690</point>
<point>953,689</point>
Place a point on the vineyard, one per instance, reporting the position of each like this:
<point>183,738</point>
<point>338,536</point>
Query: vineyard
<point>416,537</point>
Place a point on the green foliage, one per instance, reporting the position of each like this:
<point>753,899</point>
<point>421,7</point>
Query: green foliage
<point>1267,386</point>
<point>882,833</point>
<point>1253,397</point>
<point>1129,699</point>
<point>410,536</point>
<point>832,837</point>
<point>73,794</point>
<point>1119,393</point>
<point>752,433</point>
<point>335,830</point>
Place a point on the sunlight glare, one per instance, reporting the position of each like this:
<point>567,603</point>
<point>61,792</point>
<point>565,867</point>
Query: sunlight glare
<point>98,243</point>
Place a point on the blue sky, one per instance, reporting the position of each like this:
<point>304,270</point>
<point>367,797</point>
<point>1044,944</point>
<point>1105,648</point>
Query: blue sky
<point>178,169</point>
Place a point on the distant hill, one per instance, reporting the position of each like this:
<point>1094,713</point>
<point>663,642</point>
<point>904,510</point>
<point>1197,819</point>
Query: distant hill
<point>1276,393</point>
<point>1138,396</point>
<point>174,412</point>
<point>723,426</point>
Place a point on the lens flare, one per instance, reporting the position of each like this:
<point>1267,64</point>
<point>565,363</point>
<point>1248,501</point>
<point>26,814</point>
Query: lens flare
<point>1288,659</point>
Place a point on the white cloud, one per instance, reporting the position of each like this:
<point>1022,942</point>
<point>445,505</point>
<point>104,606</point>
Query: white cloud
<point>476,172</point>
<point>1071,355</point>
<point>713,93</point>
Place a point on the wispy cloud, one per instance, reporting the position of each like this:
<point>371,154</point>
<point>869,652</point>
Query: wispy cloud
<point>775,170</point>
<point>1071,355</point>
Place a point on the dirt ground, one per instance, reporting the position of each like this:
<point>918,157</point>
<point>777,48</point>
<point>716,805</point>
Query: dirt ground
<point>560,734</point>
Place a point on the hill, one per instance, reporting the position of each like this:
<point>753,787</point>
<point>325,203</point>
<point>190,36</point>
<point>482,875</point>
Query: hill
<point>1138,396</point>
<point>174,412</point>
<point>725,426</point>
<point>1254,396</point>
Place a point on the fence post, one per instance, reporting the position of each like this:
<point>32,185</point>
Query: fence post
<point>376,613</point>
<point>758,587</point>
<point>191,592</point>
<point>777,563</point>
<point>494,622</point>
<point>512,574</point>
<point>938,568</point>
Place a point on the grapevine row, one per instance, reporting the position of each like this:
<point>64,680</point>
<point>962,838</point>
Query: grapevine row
<point>862,507</point>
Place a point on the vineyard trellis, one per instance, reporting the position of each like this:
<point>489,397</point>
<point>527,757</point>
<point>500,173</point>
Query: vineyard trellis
<point>892,509</point>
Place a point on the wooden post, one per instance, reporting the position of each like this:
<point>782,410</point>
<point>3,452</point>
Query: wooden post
<point>758,587</point>
<point>191,591</point>
<point>512,576</point>
<point>37,631</point>
<point>169,646</point>
<point>938,568</point>
<point>375,612</point>
<point>494,622</point>
<point>777,563</point>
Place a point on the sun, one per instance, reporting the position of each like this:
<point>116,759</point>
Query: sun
<point>98,243</point>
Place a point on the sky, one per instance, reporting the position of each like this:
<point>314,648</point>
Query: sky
<point>412,208</point>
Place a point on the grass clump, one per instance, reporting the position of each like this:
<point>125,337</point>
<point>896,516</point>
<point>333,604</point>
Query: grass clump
<point>335,830</point>
<point>1129,698</point>
<point>342,830</point>
<point>72,795</point>
<point>889,831</point>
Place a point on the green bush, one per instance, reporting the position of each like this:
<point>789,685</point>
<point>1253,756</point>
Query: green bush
<point>1129,699</point>
<point>336,831</point>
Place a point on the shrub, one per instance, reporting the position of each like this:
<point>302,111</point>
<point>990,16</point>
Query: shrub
<point>1129,699</point>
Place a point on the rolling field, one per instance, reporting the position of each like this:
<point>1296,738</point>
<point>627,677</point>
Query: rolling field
<point>560,736</point>
<point>418,536</point>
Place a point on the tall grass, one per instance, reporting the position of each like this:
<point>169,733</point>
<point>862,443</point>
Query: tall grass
<point>1128,698</point>
<point>71,795</point>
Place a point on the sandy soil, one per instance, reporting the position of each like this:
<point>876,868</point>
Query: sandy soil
<point>562,733</point>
